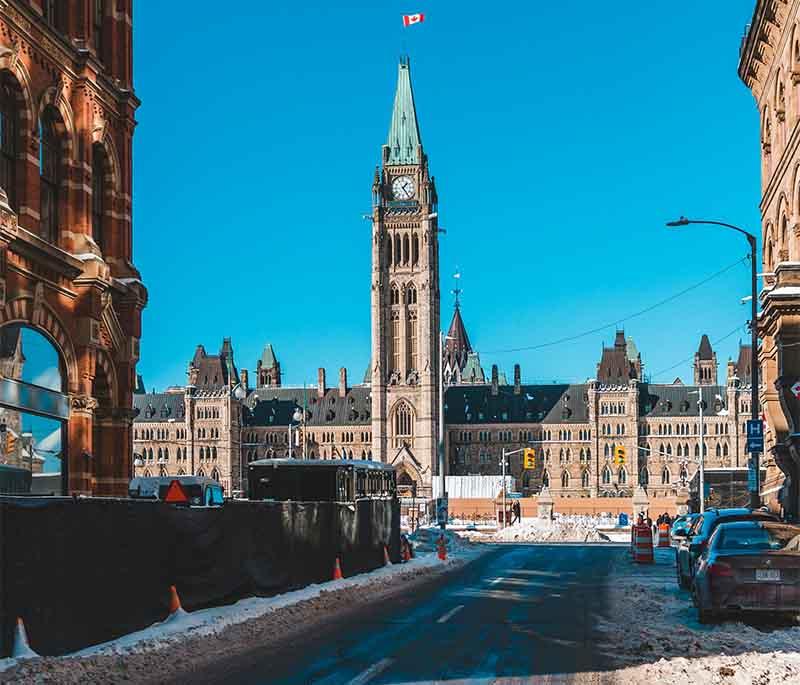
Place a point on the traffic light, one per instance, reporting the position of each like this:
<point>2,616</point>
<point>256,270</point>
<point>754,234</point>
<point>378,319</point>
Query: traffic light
<point>529,458</point>
<point>619,455</point>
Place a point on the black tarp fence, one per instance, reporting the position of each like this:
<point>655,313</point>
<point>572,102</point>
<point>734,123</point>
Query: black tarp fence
<point>83,571</point>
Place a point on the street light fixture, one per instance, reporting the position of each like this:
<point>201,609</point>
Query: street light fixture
<point>755,495</point>
<point>442,481</point>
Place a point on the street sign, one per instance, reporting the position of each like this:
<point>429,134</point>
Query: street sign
<point>796,390</point>
<point>441,510</point>
<point>514,495</point>
<point>755,435</point>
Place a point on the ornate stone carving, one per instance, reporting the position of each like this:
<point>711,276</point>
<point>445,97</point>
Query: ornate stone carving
<point>83,403</point>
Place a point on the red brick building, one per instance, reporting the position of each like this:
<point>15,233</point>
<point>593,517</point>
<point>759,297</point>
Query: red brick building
<point>66,273</point>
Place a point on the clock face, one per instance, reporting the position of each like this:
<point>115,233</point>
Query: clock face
<point>403,188</point>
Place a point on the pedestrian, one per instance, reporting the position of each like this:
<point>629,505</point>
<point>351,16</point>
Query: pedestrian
<point>517,511</point>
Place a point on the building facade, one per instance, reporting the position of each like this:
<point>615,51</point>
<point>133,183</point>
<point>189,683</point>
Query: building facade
<point>769,65</point>
<point>67,280</point>
<point>393,414</point>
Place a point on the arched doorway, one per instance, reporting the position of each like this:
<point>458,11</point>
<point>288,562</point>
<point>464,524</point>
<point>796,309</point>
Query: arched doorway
<point>406,485</point>
<point>34,409</point>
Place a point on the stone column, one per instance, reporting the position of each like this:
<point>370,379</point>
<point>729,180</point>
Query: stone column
<point>641,503</point>
<point>682,500</point>
<point>545,504</point>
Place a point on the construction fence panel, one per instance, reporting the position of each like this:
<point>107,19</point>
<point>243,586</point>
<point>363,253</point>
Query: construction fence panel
<point>84,571</point>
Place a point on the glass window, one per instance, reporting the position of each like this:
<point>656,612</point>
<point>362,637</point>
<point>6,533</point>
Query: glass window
<point>9,127</point>
<point>49,165</point>
<point>97,26</point>
<point>98,194</point>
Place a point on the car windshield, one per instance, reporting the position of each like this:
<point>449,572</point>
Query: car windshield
<point>759,538</point>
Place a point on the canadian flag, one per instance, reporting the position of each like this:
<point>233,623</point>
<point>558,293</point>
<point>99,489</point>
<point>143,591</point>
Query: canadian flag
<point>409,19</point>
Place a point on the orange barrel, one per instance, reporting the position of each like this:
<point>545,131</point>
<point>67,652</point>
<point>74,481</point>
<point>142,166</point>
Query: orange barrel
<point>643,545</point>
<point>663,535</point>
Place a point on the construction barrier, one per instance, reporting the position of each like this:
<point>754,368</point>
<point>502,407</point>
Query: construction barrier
<point>663,535</point>
<point>643,544</point>
<point>79,572</point>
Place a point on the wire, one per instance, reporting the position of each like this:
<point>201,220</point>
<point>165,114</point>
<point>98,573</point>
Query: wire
<point>688,359</point>
<point>616,322</point>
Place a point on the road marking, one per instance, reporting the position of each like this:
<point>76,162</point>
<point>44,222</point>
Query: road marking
<point>374,670</point>
<point>450,614</point>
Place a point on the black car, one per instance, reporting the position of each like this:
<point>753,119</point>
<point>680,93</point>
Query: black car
<point>692,546</point>
<point>751,566</point>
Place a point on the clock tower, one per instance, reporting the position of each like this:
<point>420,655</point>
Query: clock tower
<point>405,300</point>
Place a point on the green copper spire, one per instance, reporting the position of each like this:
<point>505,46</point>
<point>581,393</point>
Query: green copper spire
<point>403,142</point>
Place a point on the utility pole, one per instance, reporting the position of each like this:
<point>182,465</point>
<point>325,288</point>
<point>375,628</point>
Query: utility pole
<point>702,452</point>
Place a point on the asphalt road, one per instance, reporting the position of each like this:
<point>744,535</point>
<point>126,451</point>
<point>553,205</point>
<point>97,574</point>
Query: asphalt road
<point>520,614</point>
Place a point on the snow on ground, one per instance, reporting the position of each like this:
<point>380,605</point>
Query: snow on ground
<point>563,528</point>
<point>651,629</point>
<point>170,644</point>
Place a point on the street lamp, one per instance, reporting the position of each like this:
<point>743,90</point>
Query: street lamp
<point>755,495</point>
<point>442,482</point>
<point>297,417</point>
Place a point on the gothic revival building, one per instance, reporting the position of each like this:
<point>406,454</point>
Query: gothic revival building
<point>217,423</point>
<point>769,65</point>
<point>67,281</point>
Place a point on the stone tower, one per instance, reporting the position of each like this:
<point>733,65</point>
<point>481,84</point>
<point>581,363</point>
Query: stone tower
<point>405,298</point>
<point>705,363</point>
<point>268,369</point>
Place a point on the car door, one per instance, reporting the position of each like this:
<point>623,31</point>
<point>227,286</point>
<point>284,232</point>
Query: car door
<point>684,559</point>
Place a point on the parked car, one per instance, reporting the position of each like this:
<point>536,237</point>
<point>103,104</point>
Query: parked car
<point>749,566</point>
<point>692,546</point>
<point>681,526</point>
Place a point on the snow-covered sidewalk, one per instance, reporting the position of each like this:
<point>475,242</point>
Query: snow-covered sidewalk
<point>157,653</point>
<point>651,629</point>
<point>563,528</point>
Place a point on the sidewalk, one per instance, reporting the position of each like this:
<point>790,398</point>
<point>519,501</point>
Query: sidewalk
<point>650,627</point>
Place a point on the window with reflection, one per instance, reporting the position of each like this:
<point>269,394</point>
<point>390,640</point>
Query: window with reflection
<point>98,193</point>
<point>33,406</point>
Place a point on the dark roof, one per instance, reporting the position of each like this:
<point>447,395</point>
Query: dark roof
<point>743,364</point>
<point>616,367</point>
<point>705,351</point>
<point>161,406</point>
<point>456,345</point>
<point>215,371</point>
<point>676,400</point>
<point>330,463</point>
<point>535,403</point>
<point>275,406</point>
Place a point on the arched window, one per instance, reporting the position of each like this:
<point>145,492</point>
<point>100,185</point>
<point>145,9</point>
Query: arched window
<point>546,480</point>
<point>214,453</point>
<point>622,476</point>
<point>684,474</point>
<point>585,478</point>
<point>395,295</point>
<point>725,450</point>
<point>411,294</point>
<point>406,250</point>
<point>606,476</point>
<point>644,477</point>
<point>9,131</point>
<point>403,425</point>
<point>565,479</point>
<point>665,476</point>
<point>679,450</point>
<point>718,451</point>
<point>398,251</point>
<point>389,250</point>
<point>97,28</point>
<point>396,341</point>
<point>99,168</point>
<point>415,249</point>
<point>215,475</point>
<point>49,173</point>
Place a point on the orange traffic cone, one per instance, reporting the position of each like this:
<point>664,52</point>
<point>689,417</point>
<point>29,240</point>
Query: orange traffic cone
<point>337,570</point>
<point>442,548</point>
<point>175,608</point>
<point>21,649</point>
<point>386,560</point>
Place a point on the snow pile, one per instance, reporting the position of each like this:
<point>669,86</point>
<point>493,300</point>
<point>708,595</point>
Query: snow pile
<point>425,539</point>
<point>560,529</point>
<point>651,627</point>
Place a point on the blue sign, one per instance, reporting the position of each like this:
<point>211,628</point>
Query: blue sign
<point>514,495</point>
<point>755,435</point>
<point>706,490</point>
<point>752,481</point>
<point>623,519</point>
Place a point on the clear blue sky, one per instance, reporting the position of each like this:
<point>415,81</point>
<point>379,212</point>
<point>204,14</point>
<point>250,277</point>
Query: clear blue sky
<point>562,136</point>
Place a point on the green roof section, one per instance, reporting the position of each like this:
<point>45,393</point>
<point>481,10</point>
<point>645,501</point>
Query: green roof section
<point>404,141</point>
<point>268,356</point>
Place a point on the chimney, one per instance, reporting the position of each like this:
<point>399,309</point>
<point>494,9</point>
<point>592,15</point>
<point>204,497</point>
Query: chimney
<point>321,382</point>
<point>494,379</point>
<point>243,378</point>
<point>342,382</point>
<point>517,382</point>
